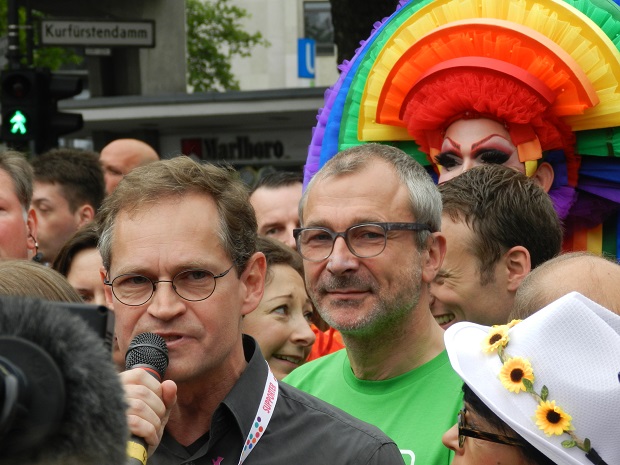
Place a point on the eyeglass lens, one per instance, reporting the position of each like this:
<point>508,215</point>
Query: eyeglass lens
<point>191,285</point>
<point>363,240</point>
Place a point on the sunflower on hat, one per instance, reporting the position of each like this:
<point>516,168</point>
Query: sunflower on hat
<point>517,375</point>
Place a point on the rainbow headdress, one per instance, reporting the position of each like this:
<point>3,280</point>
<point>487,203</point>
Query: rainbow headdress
<point>560,56</point>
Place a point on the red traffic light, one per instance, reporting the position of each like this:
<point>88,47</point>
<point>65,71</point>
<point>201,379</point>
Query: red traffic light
<point>17,86</point>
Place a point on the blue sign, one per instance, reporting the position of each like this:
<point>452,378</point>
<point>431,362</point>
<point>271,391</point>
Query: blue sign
<point>306,53</point>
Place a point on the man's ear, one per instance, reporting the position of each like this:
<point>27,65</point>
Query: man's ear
<point>518,265</point>
<point>107,290</point>
<point>84,214</point>
<point>31,229</point>
<point>253,282</point>
<point>544,176</point>
<point>434,255</point>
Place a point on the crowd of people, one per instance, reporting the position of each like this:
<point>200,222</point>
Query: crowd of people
<point>419,271</point>
<point>386,308</point>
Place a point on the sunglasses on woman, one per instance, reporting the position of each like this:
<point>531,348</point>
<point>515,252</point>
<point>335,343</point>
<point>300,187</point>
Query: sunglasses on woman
<point>465,431</point>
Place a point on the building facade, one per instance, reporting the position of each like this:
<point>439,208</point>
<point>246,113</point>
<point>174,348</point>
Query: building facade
<point>142,92</point>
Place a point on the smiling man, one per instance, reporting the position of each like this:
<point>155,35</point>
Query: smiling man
<point>499,225</point>
<point>371,246</point>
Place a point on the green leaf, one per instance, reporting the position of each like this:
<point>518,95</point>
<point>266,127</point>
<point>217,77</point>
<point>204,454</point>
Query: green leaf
<point>569,443</point>
<point>528,385</point>
<point>544,393</point>
<point>214,37</point>
<point>586,445</point>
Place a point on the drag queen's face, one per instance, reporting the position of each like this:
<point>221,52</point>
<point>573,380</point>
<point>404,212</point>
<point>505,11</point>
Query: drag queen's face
<point>472,142</point>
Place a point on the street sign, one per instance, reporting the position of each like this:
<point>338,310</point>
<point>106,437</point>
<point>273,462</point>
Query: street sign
<point>306,53</point>
<point>98,33</point>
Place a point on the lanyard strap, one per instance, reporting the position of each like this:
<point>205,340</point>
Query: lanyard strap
<point>263,415</point>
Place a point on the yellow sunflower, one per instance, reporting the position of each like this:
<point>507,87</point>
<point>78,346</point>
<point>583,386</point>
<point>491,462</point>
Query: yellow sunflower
<point>498,336</point>
<point>513,372</point>
<point>552,419</point>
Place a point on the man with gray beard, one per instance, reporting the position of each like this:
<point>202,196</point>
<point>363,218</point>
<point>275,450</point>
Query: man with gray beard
<point>373,286</point>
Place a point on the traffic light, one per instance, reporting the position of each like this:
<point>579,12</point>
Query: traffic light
<point>20,95</point>
<point>29,100</point>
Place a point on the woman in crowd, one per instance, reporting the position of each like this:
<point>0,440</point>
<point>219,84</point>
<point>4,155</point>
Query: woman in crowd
<point>542,391</point>
<point>80,262</point>
<point>281,322</point>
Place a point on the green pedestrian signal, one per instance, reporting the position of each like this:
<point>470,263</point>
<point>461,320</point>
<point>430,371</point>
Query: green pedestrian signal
<point>29,106</point>
<point>20,94</point>
<point>18,122</point>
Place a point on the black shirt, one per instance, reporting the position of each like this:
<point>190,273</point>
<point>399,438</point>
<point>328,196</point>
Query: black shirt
<point>302,430</point>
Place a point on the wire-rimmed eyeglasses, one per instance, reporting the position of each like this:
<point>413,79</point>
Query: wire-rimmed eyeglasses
<point>364,240</point>
<point>193,285</point>
<point>464,431</point>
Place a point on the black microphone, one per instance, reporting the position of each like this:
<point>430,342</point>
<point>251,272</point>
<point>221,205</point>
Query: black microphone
<point>149,352</point>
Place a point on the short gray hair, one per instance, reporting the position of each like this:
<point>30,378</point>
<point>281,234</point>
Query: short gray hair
<point>423,193</point>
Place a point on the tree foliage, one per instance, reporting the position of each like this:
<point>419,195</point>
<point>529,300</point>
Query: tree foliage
<point>214,36</point>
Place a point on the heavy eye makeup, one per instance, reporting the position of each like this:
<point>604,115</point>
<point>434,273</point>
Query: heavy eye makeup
<point>496,152</point>
<point>448,160</point>
<point>493,156</point>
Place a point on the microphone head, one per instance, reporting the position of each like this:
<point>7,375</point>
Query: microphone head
<point>148,350</point>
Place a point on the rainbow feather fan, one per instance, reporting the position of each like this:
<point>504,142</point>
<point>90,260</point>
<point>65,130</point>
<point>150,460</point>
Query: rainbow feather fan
<point>568,47</point>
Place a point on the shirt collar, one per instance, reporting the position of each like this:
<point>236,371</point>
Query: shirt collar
<point>244,398</point>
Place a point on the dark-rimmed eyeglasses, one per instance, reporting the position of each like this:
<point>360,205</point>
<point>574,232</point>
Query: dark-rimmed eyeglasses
<point>193,285</point>
<point>464,431</point>
<point>365,240</point>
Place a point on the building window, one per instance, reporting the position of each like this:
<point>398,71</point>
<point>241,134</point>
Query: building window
<point>318,26</point>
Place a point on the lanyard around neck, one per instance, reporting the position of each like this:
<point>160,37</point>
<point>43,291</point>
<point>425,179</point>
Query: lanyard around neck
<point>263,415</point>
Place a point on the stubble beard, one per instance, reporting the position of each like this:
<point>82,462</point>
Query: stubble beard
<point>386,315</point>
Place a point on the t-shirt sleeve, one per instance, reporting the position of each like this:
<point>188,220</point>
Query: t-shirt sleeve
<point>387,454</point>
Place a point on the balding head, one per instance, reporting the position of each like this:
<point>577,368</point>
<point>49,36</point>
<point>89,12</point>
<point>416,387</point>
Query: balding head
<point>121,156</point>
<point>591,275</point>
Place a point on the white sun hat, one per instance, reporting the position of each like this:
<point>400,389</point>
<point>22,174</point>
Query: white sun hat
<point>573,348</point>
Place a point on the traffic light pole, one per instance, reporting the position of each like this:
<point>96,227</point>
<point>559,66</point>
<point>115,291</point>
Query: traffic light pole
<point>13,53</point>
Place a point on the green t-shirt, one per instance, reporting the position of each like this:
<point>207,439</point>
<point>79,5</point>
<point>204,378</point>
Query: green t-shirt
<point>414,409</point>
